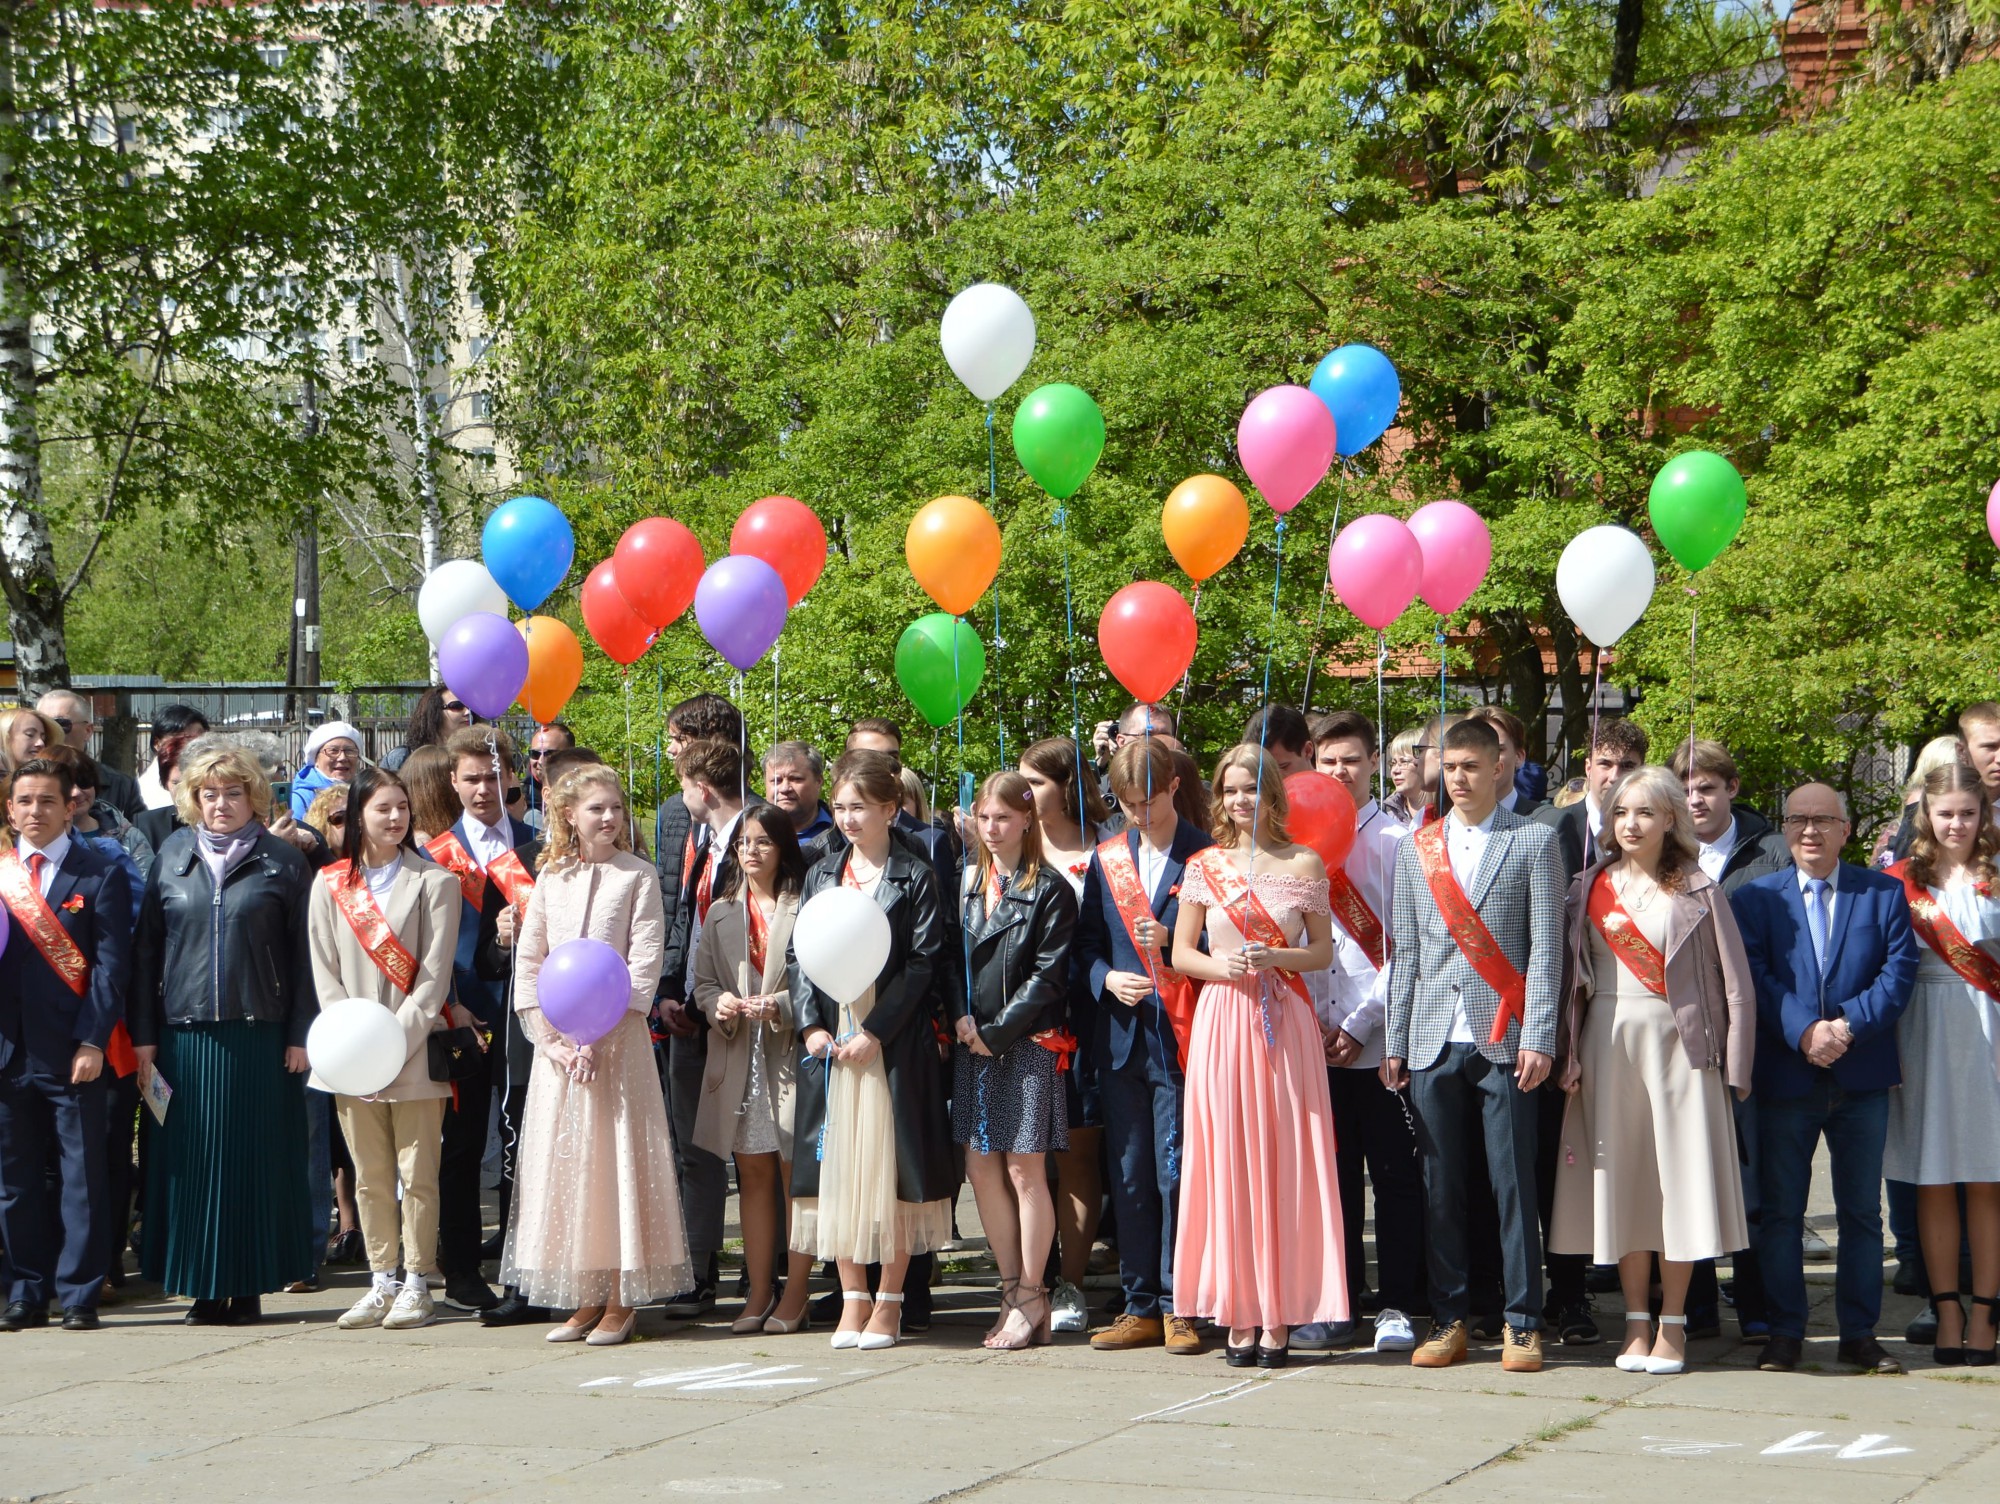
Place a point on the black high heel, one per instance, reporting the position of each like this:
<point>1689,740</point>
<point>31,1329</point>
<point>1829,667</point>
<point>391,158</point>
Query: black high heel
<point>1983,1357</point>
<point>1953,1357</point>
<point>1240,1357</point>
<point>1273,1357</point>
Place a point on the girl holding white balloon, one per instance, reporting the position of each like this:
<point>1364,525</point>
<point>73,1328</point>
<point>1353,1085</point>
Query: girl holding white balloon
<point>872,1178</point>
<point>382,926</point>
<point>596,1224</point>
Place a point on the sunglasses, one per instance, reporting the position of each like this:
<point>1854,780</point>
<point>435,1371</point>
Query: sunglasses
<point>336,819</point>
<point>64,722</point>
<point>455,707</point>
<point>536,755</point>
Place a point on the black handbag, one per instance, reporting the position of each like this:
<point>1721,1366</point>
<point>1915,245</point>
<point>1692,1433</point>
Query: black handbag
<point>456,1054</point>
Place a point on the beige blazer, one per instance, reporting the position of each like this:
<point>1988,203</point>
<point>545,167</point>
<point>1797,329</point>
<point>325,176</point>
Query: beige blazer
<point>722,964</point>
<point>423,909</point>
<point>616,901</point>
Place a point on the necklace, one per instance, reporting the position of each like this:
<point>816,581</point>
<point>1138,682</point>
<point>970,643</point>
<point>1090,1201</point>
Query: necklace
<point>1630,895</point>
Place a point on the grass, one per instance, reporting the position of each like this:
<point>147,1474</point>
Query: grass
<point>1557,1430</point>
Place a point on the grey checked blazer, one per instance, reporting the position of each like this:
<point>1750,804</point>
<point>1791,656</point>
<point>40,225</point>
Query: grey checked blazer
<point>1518,891</point>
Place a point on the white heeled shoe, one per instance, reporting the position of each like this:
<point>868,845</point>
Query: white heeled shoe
<point>1671,1365</point>
<point>844,1340</point>
<point>874,1342</point>
<point>1634,1362</point>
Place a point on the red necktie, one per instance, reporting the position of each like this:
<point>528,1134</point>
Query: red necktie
<point>36,862</point>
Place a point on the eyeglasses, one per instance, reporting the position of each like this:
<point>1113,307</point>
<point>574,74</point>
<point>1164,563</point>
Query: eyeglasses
<point>336,819</point>
<point>1814,822</point>
<point>1396,757</point>
<point>756,843</point>
<point>64,722</point>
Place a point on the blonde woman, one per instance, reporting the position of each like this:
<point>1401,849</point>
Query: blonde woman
<point>222,995</point>
<point>1260,1248</point>
<point>596,1224</point>
<point>383,923</point>
<point>1405,765</point>
<point>24,733</point>
<point>1659,1025</point>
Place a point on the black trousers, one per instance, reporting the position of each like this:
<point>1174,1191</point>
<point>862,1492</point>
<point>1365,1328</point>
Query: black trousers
<point>1372,1125</point>
<point>461,1227</point>
<point>121,1128</point>
<point>57,1244</point>
<point>1461,1089</point>
<point>1566,1270</point>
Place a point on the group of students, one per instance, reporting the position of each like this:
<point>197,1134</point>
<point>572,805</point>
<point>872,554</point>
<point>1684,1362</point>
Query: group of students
<point>1612,1033</point>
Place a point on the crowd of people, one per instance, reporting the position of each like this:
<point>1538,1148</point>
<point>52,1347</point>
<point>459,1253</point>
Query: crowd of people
<point>1592,1044</point>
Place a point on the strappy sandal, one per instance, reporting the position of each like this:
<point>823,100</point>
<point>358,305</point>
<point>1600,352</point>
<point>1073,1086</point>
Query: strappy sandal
<point>1008,1302</point>
<point>875,1342</point>
<point>846,1338</point>
<point>1955,1357</point>
<point>1983,1357</point>
<point>1038,1333</point>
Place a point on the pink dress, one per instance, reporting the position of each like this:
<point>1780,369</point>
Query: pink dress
<point>1260,1241</point>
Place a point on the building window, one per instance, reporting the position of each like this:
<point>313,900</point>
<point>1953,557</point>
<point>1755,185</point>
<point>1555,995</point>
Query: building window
<point>479,407</point>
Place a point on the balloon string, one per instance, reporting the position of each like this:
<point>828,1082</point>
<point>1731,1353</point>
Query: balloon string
<point>1277,576</point>
<point>1443,668</point>
<point>1381,718</point>
<point>1069,649</point>
<point>1325,589</point>
<point>999,644</point>
<point>628,737</point>
<point>1694,627</point>
<point>1596,693</point>
<point>659,725</point>
<point>1264,737</point>
<point>774,707</point>
<point>1188,672</point>
<point>958,692</point>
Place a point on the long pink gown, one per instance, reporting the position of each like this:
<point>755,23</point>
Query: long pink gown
<point>1259,1243</point>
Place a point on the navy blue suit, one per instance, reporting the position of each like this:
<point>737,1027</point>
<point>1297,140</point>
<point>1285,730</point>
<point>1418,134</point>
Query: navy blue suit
<point>1869,968</point>
<point>1139,1068</point>
<point>61,1250</point>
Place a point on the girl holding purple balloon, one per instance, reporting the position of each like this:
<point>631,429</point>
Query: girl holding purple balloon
<point>597,1223</point>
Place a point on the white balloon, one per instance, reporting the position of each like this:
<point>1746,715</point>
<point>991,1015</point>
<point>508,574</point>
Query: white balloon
<point>841,940</point>
<point>988,336</point>
<point>1605,582</point>
<point>454,590</point>
<point>356,1047</point>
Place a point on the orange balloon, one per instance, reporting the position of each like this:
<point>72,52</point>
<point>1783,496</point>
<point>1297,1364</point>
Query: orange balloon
<point>555,667</point>
<point>1206,521</point>
<point>954,551</point>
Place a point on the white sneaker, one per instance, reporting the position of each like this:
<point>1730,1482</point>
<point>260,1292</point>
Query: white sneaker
<point>369,1310</point>
<point>1392,1332</point>
<point>413,1308</point>
<point>1067,1312</point>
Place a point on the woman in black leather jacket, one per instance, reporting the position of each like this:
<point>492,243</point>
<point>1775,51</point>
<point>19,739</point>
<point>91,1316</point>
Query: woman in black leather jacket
<point>222,996</point>
<point>1007,1102</point>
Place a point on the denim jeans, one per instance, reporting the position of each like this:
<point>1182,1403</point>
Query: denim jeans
<point>1855,1126</point>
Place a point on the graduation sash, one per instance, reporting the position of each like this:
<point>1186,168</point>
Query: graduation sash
<point>1475,941</point>
<point>1622,936</point>
<point>1247,912</point>
<point>1350,909</point>
<point>23,897</point>
<point>1129,896</point>
<point>508,870</point>
<point>1934,927</point>
<point>1059,1042</point>
<point>370,925</point>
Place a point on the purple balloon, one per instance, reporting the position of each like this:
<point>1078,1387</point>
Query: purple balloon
<point>484,662</point>
<point>740,605</point>
<point>584,989</point>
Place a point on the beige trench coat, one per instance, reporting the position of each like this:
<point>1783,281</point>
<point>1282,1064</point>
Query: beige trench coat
<point>722,964</point>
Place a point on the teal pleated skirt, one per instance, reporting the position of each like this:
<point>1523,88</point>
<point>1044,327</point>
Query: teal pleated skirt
<point>228,1209</point>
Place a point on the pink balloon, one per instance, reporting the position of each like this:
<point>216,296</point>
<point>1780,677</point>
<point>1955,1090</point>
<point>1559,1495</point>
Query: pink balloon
<point>1993,513</point>
<point>1375,567</point>
<point>1286,441</point>
<point>1456,547</point>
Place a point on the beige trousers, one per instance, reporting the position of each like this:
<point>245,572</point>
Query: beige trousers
<point>392,1141</point>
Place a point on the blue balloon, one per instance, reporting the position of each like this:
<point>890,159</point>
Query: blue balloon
<point>1359,387</point>
<point>528,548</point>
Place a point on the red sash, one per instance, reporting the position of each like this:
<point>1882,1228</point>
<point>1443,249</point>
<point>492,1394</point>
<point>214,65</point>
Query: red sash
<point>1475,941</point>
<point>517,883</point>
<point>449,852</point>
<point>1634,951</point>
<point>1343,896</point>
<point>23,897</point>
<point>1133,902</point>
<point>1934,927</point>
<point>371,927</point>
<point>1247,912</point>
<point>759,930</point>
<point>1059,1042</point>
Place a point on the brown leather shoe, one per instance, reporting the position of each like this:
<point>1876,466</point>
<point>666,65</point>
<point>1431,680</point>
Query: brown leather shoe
<point>1182,1338</point>
<point>1443,1347</point>
<point>1521,1351</point>
<point>1128,1332</point>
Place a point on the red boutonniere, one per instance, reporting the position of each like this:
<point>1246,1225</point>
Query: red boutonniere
<point>73,904</point>
<point>1078,869</point>
<point>1174,891</point>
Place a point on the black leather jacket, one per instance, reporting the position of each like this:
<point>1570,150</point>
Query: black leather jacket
<point>1020,961</point>
<point>204,957</point>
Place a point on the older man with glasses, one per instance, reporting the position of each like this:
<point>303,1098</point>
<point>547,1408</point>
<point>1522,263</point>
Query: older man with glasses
<point>1834,959</point>
<point>74,713</point>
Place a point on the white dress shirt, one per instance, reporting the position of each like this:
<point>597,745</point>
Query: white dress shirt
<point>1805,895</point>
<point>1465,846</point>
<point>1352,995</point>
<point>711,852</point>
<point>488,843</point>
<point>1714,857</point>
<point>55,851</point>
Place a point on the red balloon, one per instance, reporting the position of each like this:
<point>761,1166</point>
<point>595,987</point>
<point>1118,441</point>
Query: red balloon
<point>659,563</point>
<point>1322,815</point>
<point>614,625</point>
<point>1146,635</point>
<point>786,534</point>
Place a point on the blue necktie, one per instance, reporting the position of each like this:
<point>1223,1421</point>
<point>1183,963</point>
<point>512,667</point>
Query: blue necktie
<point>1816,891</point>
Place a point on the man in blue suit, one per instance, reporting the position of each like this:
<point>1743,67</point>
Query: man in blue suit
<point>1125,926</point>
<point>1833,957</point>
<point>62,990</point>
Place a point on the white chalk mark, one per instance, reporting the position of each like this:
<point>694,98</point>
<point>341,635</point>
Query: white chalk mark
<point>1868,1446</point>
<point>1797,1442</point>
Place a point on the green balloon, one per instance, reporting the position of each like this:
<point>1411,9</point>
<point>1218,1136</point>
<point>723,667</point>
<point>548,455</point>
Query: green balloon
<point>939,686</point>
<point>1697,504</point>
<point>1058,436</point>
